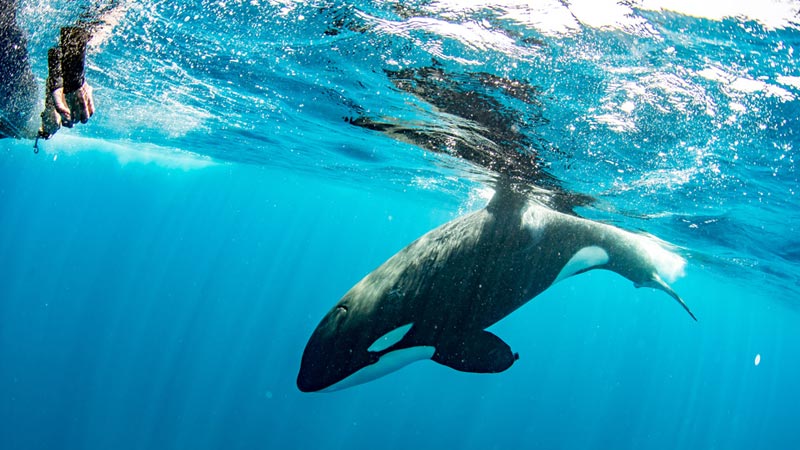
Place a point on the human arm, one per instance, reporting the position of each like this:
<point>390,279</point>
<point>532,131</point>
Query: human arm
<point>68,97</point>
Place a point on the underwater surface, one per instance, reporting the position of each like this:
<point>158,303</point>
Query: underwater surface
<point>163,266</point>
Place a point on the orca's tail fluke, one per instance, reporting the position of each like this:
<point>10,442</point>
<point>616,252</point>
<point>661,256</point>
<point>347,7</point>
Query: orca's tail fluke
<point>658,283</point>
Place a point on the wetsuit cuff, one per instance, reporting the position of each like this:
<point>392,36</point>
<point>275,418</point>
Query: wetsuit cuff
<point>54,78</point>
<point>73,52</point>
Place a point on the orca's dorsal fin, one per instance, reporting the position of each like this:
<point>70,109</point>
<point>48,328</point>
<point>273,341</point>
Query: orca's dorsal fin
<point>508,196</point>
<point>477,351</point>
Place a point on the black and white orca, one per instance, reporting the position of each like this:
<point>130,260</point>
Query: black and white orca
<point>435,298</point>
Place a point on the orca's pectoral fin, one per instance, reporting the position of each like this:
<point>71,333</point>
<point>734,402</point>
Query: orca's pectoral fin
<point>658,283</point>
<point>478,352</point>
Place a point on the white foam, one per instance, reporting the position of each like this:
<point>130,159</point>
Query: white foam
<point>743,85</point>
<point>549,17</point>
<point>605,14</point>
<point>127,152</point>
<point>772,14</point>
<point>553,17</point>
<point>475,35</point>
<point>789,81</point>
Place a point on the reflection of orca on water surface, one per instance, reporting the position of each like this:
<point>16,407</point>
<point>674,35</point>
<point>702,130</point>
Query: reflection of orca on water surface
<point>435,298</point>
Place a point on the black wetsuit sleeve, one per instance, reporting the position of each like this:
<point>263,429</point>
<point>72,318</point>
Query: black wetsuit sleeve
<point>55,78</point>
<point>17,83</point>
<point>13,44</point>
<point>73,57</point>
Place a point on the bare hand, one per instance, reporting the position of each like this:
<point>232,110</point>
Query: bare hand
<point>81,105</point>
<point>55,107</point>
<point>66,110</point>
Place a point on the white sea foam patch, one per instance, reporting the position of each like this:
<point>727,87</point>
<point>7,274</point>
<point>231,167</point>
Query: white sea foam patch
<point>128,152</point>
<point>743,85</point>
<point>772,14</point>
<point>606,14</point>
<point>547,16</point>
<point>555,17</point>
<point>552,17</point>
<point>476,35</point>
<point>789,81</point>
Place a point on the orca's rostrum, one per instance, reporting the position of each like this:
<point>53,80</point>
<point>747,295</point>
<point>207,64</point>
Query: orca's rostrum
<point>435,298</point>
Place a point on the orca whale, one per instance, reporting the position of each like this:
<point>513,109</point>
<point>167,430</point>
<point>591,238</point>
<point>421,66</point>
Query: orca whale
<point>435,298</point>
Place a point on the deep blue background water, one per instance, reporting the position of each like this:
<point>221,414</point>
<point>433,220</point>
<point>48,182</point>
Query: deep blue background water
<point>149,307</point>
<point>162,267</point>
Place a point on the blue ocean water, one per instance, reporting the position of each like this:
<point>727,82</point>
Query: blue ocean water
<point>164,265</point>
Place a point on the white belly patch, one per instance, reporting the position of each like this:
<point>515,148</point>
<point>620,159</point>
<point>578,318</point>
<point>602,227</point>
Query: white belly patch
<point>585,258</point>
<point>386,364</point>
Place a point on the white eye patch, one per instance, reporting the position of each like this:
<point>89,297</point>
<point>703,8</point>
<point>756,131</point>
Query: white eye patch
<point>389,339</point>
<point>585,258</point>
